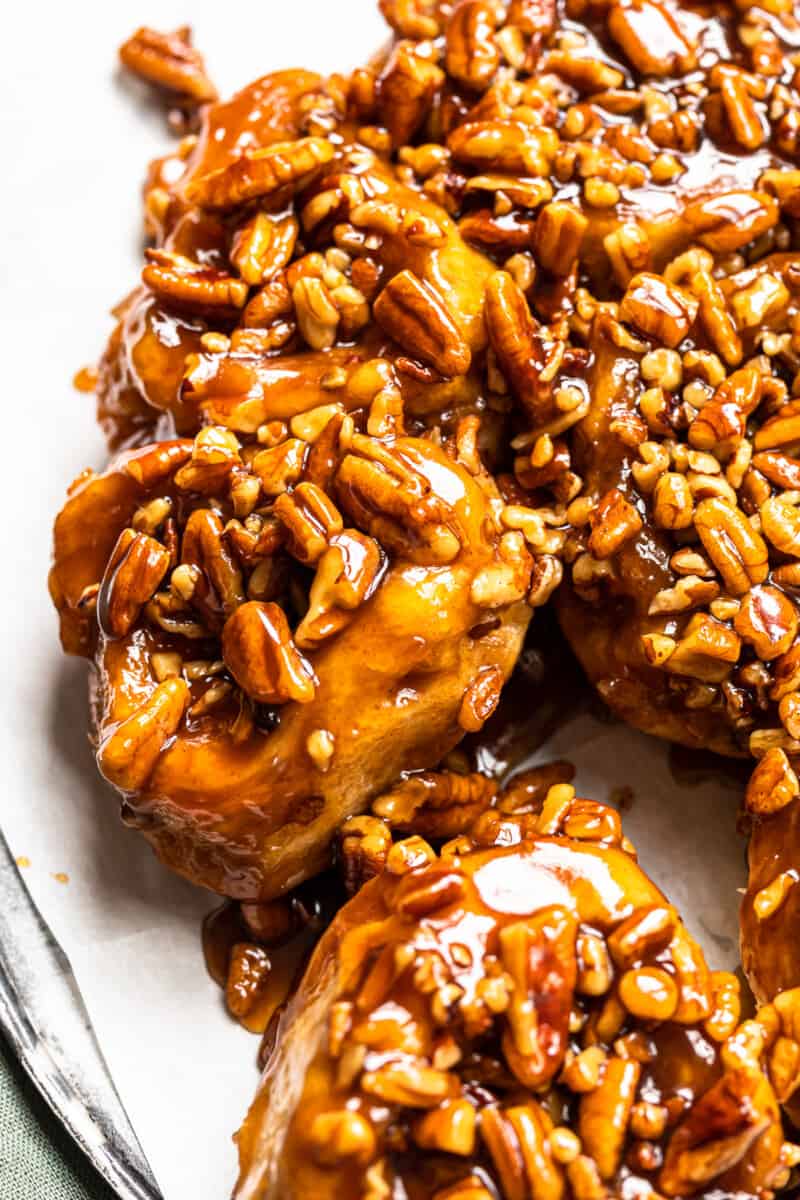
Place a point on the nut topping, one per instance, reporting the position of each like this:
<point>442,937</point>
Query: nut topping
<point>260,653</point>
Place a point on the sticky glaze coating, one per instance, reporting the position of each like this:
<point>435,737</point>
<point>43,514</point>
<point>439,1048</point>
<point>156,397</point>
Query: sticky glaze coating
<point>523,1014</point>
<point>770,910</point>
<point>259,680</point>
<point>254,285</point>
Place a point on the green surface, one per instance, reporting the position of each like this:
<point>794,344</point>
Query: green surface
<point>38,1160</point>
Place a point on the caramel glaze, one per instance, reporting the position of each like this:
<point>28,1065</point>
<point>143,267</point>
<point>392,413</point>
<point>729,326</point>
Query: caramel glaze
<point>257,999</point>
<point>358,1039</point>
<point>769,944</point>
<point>249,814</point>
<point>547,669</point>
<point>606,630</point>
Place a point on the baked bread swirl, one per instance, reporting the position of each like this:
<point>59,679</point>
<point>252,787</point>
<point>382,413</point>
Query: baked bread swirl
<point>264,668</point>
<point>522,1014</point>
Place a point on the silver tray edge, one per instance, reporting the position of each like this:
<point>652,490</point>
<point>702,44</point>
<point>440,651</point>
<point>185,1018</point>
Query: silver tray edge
<point>44,1019</point>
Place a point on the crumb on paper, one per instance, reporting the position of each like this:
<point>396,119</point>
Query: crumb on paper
<point>23,860</point>
<point>622,798</point>
<point>85,380</point>
<point>61,876</point>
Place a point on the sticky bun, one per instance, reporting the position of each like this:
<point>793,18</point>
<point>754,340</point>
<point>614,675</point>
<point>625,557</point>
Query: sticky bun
<point>681,604</point>
<point>522,1014</point>
<point>262,672</point>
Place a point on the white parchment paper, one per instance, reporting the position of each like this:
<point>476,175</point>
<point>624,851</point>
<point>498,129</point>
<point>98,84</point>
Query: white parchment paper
<point>75,140</point>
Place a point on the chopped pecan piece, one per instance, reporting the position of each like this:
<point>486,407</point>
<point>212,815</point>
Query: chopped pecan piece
<point>364,843</point>
<point>658,309</point>
<point>347,571</point>
<point>248,972</point>
<point>613,522</point>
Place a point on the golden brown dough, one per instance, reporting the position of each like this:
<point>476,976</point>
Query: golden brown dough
<point>524,1014</point>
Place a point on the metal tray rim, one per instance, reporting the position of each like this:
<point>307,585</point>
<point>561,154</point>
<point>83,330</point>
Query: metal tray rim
<point>44,1019</point>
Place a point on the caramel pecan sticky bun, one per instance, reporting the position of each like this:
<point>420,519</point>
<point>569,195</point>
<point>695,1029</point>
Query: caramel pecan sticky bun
<point>318,575</point>
<point>279,631</point>
<point>686,563</point>
<point>523,1014</point>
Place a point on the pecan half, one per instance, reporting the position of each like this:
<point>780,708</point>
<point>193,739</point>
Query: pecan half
<point>605,1112</point>
<point>559,232</point>
<point>503,145</point>
<point>772,785</point>
<point>437,804</point>
<point>716,1134</point>
<point>733,545</point>
<point>137,565</point>
<point>128,754</point>
<point>270,175</point>
<point>407,87</point>
<point>310,518</point>
<point>512,329</point>
<point>260,653</point>
<point>170,61</point>
<point>727,222</point>
<point>650,37</point>
<point>539,955</point>
<point>415,315</point>
<point>471,53</point>
<point>388,491</point>
<point>183,282</point>
<point>658,309</point>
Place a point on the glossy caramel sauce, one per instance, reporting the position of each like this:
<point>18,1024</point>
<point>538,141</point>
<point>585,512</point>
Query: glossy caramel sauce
<point>316,903</point>
<point>546,689</point>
